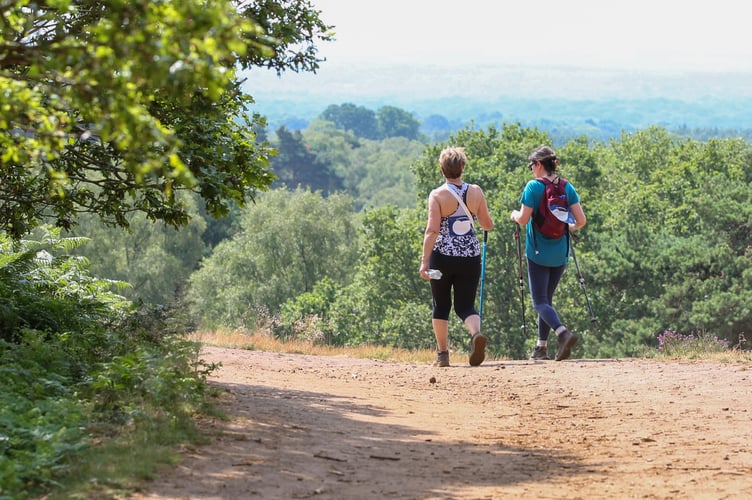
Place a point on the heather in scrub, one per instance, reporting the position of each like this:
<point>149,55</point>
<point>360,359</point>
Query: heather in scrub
<point>673,343</point>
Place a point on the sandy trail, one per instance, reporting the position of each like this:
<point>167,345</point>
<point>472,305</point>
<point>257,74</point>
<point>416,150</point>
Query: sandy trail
<point>333,427</point>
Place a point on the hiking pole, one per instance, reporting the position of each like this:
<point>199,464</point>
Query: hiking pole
<point>521,281</point>
<point>483,274</point>
<point>581,279</point>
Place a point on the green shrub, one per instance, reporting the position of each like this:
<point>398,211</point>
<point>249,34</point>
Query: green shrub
<point>78,361</point>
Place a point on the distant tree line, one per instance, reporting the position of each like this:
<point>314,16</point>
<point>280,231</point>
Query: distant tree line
<point>387,121</point>
<point>562,120</point>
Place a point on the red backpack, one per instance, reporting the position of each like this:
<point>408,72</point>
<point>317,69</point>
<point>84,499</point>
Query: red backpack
<point>553,215</point>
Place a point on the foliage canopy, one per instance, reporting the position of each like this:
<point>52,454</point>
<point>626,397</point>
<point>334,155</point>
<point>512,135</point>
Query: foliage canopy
<point>113,107</point>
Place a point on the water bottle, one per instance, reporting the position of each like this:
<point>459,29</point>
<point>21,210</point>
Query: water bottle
<point>434,274</point>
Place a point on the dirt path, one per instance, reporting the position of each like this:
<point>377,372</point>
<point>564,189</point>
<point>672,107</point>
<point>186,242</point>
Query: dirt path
<point>341,428</point>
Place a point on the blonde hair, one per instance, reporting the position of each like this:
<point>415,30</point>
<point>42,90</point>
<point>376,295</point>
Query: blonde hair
<point>452,161</point>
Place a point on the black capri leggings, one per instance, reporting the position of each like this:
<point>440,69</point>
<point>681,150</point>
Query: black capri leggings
<point>460,273</point>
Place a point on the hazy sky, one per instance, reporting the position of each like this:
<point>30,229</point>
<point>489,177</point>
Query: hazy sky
<point>632,34</point>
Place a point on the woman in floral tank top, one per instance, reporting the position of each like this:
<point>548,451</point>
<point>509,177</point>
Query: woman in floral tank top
<point>451,245</point>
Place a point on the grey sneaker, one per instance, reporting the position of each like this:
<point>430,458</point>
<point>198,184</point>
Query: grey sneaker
<point>477,349</point>
<point>442,359</point>
<point>539,353</point>
<point>566,343</point>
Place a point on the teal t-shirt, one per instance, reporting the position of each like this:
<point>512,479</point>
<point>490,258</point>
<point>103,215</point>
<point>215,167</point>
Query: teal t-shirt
<point>552,252</point>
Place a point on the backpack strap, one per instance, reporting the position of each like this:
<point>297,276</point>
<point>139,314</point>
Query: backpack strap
<point>462,203</point>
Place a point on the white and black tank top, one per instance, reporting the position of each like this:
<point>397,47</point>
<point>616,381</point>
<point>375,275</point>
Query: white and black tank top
<point>457,236</point>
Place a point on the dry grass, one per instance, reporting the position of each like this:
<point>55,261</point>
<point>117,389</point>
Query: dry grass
<point>730,356</point>
<point>260,341</point>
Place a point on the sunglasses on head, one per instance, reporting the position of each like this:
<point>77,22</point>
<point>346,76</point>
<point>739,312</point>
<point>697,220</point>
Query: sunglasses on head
<point>531,164</point>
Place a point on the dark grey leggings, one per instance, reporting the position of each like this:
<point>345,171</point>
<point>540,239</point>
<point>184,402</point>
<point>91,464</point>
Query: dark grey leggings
<point>543,281</point>
<point>461,274</point>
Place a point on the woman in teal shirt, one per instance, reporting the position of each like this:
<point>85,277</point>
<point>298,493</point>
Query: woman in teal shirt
<point>547,258</point>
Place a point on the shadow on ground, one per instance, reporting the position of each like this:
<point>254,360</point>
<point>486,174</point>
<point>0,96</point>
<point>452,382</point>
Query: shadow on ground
<point>299,444</point>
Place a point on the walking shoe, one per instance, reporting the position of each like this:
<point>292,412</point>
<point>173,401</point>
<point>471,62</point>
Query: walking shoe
<point>478,349</point>
<point>566,343</point>
<point>442,359</point>
<point>539,353</point>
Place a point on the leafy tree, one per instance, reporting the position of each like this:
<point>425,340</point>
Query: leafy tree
<point>218,228</point>
<point>111,108</point>
<point>667,250</point>
<point>437,127</point>
<point>374,173</point>
<point>154,258</point>
<point>286,244</point>
<point>334,147</point>
<point>388,121</point>
<point>396,122</point>
<point>307,315</point>
<point>387,302</point>
<point>357,120</point>
<point>644,254</point>
<point>296,166</point>
<point>380,172</point>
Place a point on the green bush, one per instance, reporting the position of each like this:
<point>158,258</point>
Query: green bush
<point>76,359</point>
<point>41,420</point>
